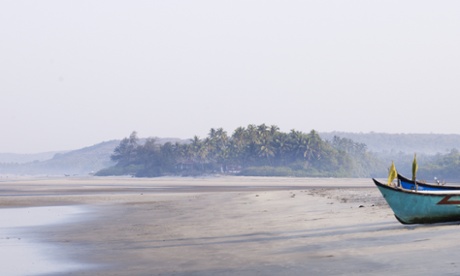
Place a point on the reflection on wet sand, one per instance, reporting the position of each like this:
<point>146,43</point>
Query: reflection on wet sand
<point>20,252</point>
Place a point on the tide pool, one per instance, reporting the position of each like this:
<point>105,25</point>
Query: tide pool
<point>20,253</point>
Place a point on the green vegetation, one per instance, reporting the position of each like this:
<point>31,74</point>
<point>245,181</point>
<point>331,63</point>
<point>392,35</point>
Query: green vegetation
<point>442,166</point>
<point>386,143</point>
<point>255,150</point>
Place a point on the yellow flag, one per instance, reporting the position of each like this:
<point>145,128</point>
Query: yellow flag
<point>414,167</point>
<point>392,173</point>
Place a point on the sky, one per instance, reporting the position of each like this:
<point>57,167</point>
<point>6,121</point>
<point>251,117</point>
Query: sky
<point>77,73</point>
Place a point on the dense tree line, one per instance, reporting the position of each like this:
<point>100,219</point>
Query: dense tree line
<point>251,150</point>
<point>441,166</point>
<point>395,143</point>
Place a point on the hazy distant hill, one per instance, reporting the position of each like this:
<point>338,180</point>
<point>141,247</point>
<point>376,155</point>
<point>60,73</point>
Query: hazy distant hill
<point>26,158</point>
<point>76,162</point>
<point>405,143</point>
<point>81,161</point>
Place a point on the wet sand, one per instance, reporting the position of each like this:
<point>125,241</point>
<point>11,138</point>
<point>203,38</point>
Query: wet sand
<point>20,253</point>
<point>234,226</point>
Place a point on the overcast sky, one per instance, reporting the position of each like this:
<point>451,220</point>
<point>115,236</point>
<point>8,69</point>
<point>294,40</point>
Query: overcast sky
<point>76,73</point>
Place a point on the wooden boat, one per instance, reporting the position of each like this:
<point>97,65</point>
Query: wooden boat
<point>414,207</point>
<point>409,184</point>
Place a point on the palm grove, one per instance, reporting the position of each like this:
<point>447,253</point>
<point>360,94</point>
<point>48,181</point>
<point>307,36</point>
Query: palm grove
<point>253,150</point>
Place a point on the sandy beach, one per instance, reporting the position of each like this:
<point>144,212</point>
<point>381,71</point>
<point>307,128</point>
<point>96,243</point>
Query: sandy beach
<point>233,226</point>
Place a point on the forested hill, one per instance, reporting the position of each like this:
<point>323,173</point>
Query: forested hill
<point>397,143</point>
<point>253,150</point>
<point>385,147</point>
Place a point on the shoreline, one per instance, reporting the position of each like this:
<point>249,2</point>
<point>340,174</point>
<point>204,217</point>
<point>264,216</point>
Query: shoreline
<point>278,226</point>
<point>22,253</point>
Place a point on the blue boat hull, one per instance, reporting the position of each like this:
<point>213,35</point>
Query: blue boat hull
<point>412,207</point>
<point>409,184</point>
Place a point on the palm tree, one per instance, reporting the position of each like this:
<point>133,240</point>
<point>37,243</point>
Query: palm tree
<point>180,153</point>
<point>237,146</point>
<point>265,142</point>
<point>252,140</point>
<point>274,130</point>
<point>262,131</point>
<point>282,147</point>
<point>314,148</point>
<point>298,143</point>
<point>197,152</point>
<point>266,149</point>
<point>221,145</point>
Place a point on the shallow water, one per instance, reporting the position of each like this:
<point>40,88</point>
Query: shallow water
<point>20,254</point>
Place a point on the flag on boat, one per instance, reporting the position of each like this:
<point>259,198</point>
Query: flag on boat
<point>392,173</point>
<point>414,167</point>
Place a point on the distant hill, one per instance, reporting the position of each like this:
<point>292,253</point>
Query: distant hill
<point>76,162</point>
<point>384,143</point>
<point>82,162</point>
<point>26,158</point>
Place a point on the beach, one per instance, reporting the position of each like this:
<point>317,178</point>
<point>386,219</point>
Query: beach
<point>232,226</point>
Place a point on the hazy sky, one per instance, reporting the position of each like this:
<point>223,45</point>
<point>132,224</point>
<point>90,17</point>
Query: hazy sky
<point>76,73</point>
